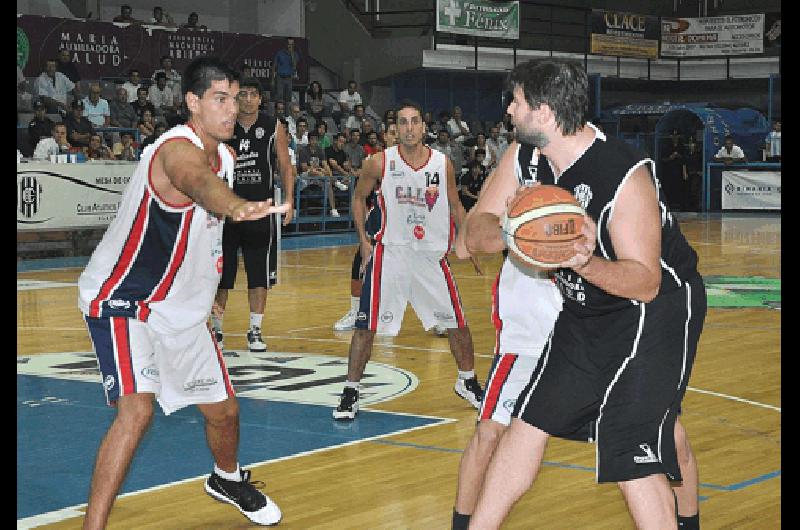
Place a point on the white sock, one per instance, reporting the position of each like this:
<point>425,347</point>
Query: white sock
<point>255,320</point>
<point>355,301</point>
<point>351,384</point>
<point>466,375</point>
<point>216,322</point>
<point>235,476</point>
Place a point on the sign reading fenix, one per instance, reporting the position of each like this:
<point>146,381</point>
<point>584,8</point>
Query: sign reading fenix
<point>481,18</point>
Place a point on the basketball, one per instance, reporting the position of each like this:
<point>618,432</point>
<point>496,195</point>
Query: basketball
<point>542,224</point>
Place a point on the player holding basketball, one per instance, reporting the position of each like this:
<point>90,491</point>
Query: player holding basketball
<point>617,364</point>
<point>148,288</point>
<point>408,262</point>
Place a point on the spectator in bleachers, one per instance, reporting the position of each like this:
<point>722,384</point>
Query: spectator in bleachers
<point>357,119</point>
<point>133,85</point>
<point>355,151</point>
<point>79,129</point>
<point>505,126</point>
<point>671,170</point>
<point>122,113</point>
<point>458,128</point>
<point>472,182</point>
<point>52,87</point>
<point>497,142</point>
<point>431,128</point>
<point>54,144</point>
<point>142,103</point>
<point>371,145</point>
<point>324,138</point>
<point>730,153</point>
<point>315,104</point>
<point>490,159</point>
<point>96,109</point>
<point>192,22</point>
<point>162,98</point>
<point>161,18</point>
<point>126,15</point>
<point>67,67</point>
<point>146,125</point>
<point>173,79</point>
<point>390,114</point>
<point>24,97</point>
<point>366,128</point>
<point>313,168</point>
<point>280,110</point>
<point>385,126</point>
<point>294,115</point>
<point>97,149</point>
<point>40,125</point>
<point>158,130</point>
<point>450,149</point>
<point>338,162</point>
<point>125,149</point>
<point>267,106</point>
<point>284,71</point>
<point>348,99</point>
<point>772,143</point>
<point>300,136</point>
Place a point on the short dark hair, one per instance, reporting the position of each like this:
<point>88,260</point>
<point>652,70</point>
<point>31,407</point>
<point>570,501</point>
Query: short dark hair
<point>301,120</point>
<point>409,104</point>
<point>250,82</point>
<point>729,137</point>
<point>202,71</point>
<point>340,134</point>
<point>313,134</point>
<point>560,84</point>
<point>161,75</point>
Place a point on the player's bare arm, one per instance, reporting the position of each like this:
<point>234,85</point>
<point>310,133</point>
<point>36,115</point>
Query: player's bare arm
<point>371,174</point>
<point>481,231</point>
<point>635,230</point>
<point>285,170</point>
<point>181,173</point>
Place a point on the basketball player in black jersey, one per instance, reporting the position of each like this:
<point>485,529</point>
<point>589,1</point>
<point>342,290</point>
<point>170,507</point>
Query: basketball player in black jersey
<point>259,143</point>
<point>618,362</point>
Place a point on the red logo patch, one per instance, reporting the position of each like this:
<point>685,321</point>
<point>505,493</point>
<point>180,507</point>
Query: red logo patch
<point>219,264</point>
<point>419,232</point>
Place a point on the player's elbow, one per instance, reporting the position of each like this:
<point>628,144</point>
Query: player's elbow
<point>650,289</point>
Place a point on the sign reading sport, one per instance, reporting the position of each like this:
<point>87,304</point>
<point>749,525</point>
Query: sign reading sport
<point>482,18</point>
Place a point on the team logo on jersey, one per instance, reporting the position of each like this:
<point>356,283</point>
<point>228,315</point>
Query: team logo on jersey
<point>259,133</point>
<point>244,145</point>
<point>583,193</point>
<point>109,382</point>
<point>391,165</point>
<point>419,232</point>
<point>431,189</point>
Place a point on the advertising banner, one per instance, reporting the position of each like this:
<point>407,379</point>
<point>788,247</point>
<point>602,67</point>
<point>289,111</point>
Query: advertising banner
<point>108,49</point>
<point>704,37</point>
<point>56,196</point>
<point>624,34</point>
<point>482,18</point>
<point>751,190</point>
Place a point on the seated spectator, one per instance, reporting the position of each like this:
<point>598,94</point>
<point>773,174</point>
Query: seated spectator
<point>173,79</point>
<point>324,138</point>
<point>431,128</point>
<point>348,99</point>
<point>96,109</point>
<point>125,149</point>
<point>294,115</point>
<point>314,103</point>
<point>280,110</point>
<point>772,144</point>
<point>40,126</point>
<point>67,67</point>
<point>158,130</point>
<point>55,144</point>
<point>313,169</point>
<point>162,18</point>
<point>79,129</point>
<point>300,136</point>
<point>497,142</point>
<point>472,183</point>
<point>505,127</point>
<point>142,103</point>
<point>385,126</point>
<point>24,98</point>
<point>338,161</point>
<point>126,15</point>
<point>163,100</point>
<point>730,153</point>
<point>97,149</point>
<point>367,127</point>
<point>357,119</point>
<point>52,88</point>
<point>450,149</point>
<point>371,146</point>
<point>122,113</point>
<point>490,159</point>
<point>133,85</point>
<point>355,152</point>
<point>191,22</point>
<point>146,126</point>
<point>459,130</point>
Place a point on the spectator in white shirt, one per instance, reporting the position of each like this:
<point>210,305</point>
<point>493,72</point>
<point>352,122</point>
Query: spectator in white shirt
<point>730,153</point>
<point>772,143</point>
<point>459,130</point>
<point>497,142</point>
<point>162,99</point>
<point>95,108</point>
<point>300,135</point>
<point>57,144</point>
<point>132,86</point>
<point>348,99</point>
<point>356,121</point>
<point>173,78</point>
<point>52,87</point>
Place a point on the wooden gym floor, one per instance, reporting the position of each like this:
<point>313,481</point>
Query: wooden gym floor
<point>406,477</point>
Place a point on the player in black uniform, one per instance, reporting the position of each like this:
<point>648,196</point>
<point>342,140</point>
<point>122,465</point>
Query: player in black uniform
<point>259,144</point>
<point>618,363</point>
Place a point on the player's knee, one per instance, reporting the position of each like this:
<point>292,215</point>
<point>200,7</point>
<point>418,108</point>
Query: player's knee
<point>135,411</point>
<point>488,434</point>
<point>224,413</point>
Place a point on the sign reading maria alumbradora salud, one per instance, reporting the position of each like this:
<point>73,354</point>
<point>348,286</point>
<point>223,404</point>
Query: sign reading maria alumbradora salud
<point>710,36</point>
<point>482,18</point>
<point>624,34</point>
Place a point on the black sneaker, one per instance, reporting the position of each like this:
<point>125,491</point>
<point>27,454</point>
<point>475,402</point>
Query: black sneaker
<point>252,503</point>
<point>218,338</point>
<point>348,405</point>
<point>470,389</point>
<point>254,340</point>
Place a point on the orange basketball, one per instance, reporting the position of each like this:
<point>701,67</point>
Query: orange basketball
<point>542,224</point>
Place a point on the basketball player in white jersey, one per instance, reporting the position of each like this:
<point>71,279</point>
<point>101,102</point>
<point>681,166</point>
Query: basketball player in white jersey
<point>148,289</point>
<point>408,262</point>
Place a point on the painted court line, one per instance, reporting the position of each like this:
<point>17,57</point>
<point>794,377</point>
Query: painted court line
<point>733,398</point>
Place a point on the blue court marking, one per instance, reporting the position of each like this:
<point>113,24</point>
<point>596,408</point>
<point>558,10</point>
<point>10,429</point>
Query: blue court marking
<point>61,423</point>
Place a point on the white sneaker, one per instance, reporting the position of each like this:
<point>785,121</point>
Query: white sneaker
<point>335,212</point>
<point>256,506</point>
<point>254,341</point>
<point>348,405</point>
<point>347,322</point>
<point>470,390</point>
<point>341,185</point>
<point>440,331</point>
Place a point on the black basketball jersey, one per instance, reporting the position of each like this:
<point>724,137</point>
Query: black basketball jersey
<point>255,159</point>
<point>594,179</point>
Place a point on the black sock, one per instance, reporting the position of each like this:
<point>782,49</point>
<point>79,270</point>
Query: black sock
<point>691,522</point>
<point>460,521</point>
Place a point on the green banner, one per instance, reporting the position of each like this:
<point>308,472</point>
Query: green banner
<point>738,291</point>
<point>483,18</point>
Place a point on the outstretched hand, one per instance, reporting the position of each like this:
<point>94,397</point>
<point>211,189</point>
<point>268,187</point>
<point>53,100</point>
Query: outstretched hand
<point>250,210</point>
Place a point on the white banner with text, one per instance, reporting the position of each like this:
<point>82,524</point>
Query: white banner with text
<point>751,190</point>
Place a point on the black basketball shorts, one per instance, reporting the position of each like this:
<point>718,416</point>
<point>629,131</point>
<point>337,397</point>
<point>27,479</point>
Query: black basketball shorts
<point>258,242</point>
<point>618,380</point>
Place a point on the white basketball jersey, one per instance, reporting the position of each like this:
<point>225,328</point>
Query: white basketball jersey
<point>414,202</point>
<point>157,262</point>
